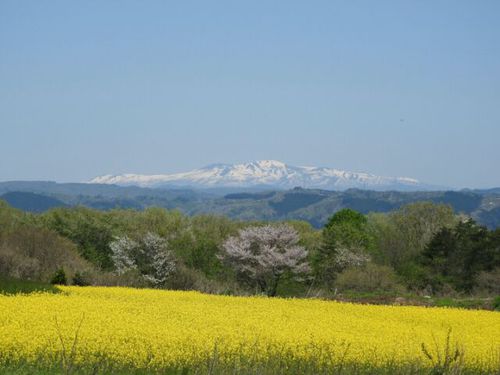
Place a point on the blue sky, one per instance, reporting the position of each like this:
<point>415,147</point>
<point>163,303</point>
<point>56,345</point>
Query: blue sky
<point>403,88</point>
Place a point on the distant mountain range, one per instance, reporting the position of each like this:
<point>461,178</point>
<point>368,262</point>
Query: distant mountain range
<point>267,174</point>
<point>312,205</point>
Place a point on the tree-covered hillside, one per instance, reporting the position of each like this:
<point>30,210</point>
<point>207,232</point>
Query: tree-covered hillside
<point>313,206</point>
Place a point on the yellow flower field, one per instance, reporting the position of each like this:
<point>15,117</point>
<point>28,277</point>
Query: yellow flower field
<point>156,329</point>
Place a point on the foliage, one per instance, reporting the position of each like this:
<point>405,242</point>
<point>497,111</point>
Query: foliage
<point>370,278</point>
<point>33,246</point>
<point>488,282</point>
<point>79,279</point>
<point>407,231</point>
<point>318,206</point>
<point>59,277</point>
<point>345,244</point>
<point>457,255</point>
<point>16,286</point>
<point>401,236</point>
<point>10,218</point>
<point>90,230</point>
<point>32,253</point>
<point>207,233</point>
<point>496,303</point>
<point>347,216</point>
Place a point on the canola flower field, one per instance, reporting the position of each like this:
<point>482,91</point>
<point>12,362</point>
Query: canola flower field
<point>154,330</point>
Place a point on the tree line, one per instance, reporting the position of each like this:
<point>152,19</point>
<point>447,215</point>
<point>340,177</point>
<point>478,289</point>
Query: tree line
<point>422,247</point>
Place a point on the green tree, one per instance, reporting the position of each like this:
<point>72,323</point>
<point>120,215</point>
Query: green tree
<point>208,232</point>
<point>89,229</point>
<point>345,243</point>
<point>456,256</point>
<point>416,224</point>
<point>347,216</point>
<point>10,218</point>
<point>400,236</point>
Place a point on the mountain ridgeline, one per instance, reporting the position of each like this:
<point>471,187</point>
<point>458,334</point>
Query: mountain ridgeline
<point>267,174</point>
<point>312,205</point>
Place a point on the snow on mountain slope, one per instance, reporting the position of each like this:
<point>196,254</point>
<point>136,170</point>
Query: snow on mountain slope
<point>266,173</point>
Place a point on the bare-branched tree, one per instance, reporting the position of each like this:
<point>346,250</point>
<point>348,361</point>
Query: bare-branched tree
<point>261,255</point>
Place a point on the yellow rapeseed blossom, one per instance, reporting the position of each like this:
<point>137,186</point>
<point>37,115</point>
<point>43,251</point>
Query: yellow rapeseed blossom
<point>155,329</point>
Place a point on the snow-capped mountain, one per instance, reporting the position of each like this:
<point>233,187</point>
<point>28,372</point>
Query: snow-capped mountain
<point>266,173</point>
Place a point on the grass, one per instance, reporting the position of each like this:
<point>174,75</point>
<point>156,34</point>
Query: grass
<point>16,286</point>
<point>273,366</point>
<point>246,366</point>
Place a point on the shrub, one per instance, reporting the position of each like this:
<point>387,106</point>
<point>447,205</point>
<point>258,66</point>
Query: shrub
<point>32,253</point>
<point>371,277</point>
<point>59,277</point>
<point>496,303</point>
<point>80,280</point>
<point>128,279</point>
<point>185,278</point>
<point>488,282</point>
<point>15,286</point>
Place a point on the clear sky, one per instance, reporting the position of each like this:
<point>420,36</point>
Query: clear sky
<point>403,88</point>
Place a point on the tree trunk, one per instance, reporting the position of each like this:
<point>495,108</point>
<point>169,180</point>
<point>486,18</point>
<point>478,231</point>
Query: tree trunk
<point>273,289</point>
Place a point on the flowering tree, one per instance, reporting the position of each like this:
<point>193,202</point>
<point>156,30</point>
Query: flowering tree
<point>150,256</point>
<point>160,262</point>
<point>261,255</point>
<point>122,249</point>
<point>345,258</point>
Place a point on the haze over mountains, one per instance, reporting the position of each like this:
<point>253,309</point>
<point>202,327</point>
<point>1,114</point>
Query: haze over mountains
<point>267,174</point>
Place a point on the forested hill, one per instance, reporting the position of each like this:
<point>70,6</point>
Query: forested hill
<point>31,202</point>
<point>314,206</point>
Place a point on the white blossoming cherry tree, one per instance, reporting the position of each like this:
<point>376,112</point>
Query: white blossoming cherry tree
<point>261,255</point>
<point>149,255</point>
